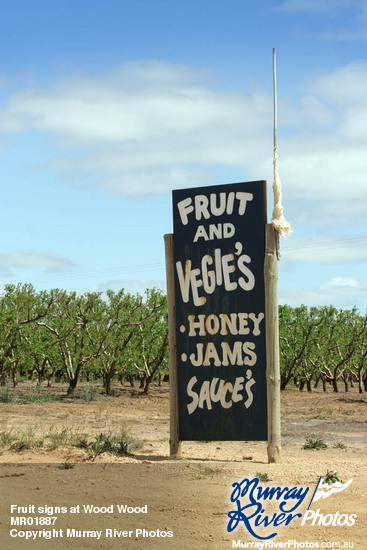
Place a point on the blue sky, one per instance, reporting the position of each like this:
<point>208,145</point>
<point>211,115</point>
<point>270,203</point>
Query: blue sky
<point>105,107</point>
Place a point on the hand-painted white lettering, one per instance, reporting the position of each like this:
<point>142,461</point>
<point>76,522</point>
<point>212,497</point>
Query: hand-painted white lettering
<point>233,323</point>
<point>205,208</point>
<point>191,407</point>
<point>215,209</point>
<point>218,390</point>
<point>256,321</point>
<point>241,353</point>
<point>250,382</point>
<point>197,361</point>
<point>185,207</point>
<point>225,272</point>
<point>201,207</point>
<point>227,269</point>
<point>216,231</point>
<point>189,280</point>
<point>208,276</point>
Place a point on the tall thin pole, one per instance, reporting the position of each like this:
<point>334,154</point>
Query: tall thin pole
<point>272,345</point>
<point>275,100</point>
<point>278,220</point>
<point>174,442</point>
<point>271,321</point>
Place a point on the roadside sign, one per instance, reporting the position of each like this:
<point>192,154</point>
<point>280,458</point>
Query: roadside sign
<point>219,249</point>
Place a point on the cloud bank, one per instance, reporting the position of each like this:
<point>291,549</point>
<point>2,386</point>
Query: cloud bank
<point>149,127</point>
<point>26,259</point>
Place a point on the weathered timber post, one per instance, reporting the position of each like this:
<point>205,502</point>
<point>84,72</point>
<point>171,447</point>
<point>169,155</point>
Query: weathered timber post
<point>174,442</point>
<point>272,343</point>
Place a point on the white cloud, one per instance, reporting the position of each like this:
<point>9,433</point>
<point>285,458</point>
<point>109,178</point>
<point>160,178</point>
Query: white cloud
<point>342,292</point>
<point>135,103</point>
<point>323,164</point>
<point>144,127</point>
<point>331,250</point>
<point>133,286</point>
<point>149,127</point>
<point>24,259</point>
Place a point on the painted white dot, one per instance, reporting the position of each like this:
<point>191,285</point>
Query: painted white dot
<point>184,357</point>
<point>182,328</point>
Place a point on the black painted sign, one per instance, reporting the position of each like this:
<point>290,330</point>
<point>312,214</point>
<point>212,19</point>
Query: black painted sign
<point>219,249</point>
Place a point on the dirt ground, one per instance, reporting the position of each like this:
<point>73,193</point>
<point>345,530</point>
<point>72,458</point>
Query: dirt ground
<point>189,498</point>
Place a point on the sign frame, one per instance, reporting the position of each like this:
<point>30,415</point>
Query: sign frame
<point>232,208</point>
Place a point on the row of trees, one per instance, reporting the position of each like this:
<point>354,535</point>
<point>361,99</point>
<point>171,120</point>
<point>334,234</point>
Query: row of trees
<point>65,336</point>
<point>323,344</point>
<point>61,334</point>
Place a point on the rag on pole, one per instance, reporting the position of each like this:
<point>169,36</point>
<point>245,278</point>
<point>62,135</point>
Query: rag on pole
<point>278,221</point>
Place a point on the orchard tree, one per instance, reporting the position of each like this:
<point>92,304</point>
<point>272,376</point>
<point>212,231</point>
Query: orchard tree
<point>149,346</point>
<point>339,336</point>
<point>298,334</point>
<point>70,323</point>
<point>39,352</point>
<point>123,317</point>
<point>20,308</point>
<point>359,357</point>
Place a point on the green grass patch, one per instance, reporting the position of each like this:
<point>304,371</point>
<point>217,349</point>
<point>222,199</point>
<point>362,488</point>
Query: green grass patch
<point>6,396</point>
<point>65,465</point>
<point>331,477</point>
<point>263,477</point>
<point>59,438</point>
<point>340,445</point>
<point>35,438</point>
<point>6,438</point>
<point>27,439</point>
<point>117,445</point>
<point>314,444</point>
<point>89,395</point>
<point>44,398</point>
<point>206,472</point>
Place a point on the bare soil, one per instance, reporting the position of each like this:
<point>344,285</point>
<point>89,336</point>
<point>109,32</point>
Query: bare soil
<point>191,496</point>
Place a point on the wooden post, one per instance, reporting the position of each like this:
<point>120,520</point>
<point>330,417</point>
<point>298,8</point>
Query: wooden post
<point>272,343</point>
<point>174,443</point>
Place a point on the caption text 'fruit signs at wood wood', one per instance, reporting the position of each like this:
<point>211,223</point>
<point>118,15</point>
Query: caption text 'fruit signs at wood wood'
<point>219,248</point>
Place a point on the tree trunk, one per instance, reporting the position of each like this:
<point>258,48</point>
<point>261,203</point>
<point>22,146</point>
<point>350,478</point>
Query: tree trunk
<point>3,378</point>
<point>107,383</point>
<point>335,385</point>
<point>308,384</point>
<point>72,385</point>
<point>360,382</point>
<point>283,382</point>
<point>148,380</point>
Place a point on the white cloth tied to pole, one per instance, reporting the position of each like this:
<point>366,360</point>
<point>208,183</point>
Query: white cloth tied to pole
<point>278,221</point>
